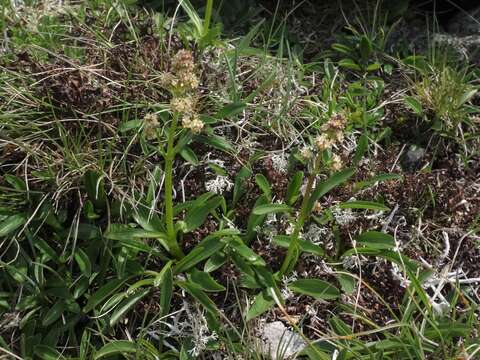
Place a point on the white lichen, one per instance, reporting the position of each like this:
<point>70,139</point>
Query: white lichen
<point>280,162</point>
<point>343,216</point>
<point>219,184</point>
<point>189,323</point>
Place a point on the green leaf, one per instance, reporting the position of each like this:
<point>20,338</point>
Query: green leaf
<point>45,248</point>
<point>45,352</point>
<point>316,288</point>
<point>54,313</point>
<point>197,292</point>
<point>264,185</point>
<point>349,64</point>
<point>305,245</point>
<point>193,16</point>
<point>197,215</point>
<point>327,185</point>
<point>217,142</point>
<point>85,344</point>
<point>239,189</point>
<point>376,240</point>
<point>102,293</point>
<point>373,66</point>
<point>16,182</point>
<point>244,251</point>
<point>361,204</point>
<point>12,223</point>
<point>126,305</point>
<point>95,189</point>
<point>130,125</point>
<point>255,220</point>
<point>206,248</point>
<point>125,232</point>
<point>189,155</point>
<point>230,110</point>
<point>467,96</point>
<point>246,40</point>
<point>293,190</point>
<point>271,209</point>
<point>381,177</point>
<point>83,262</point>
<point>346,282</point>
<point>205,281</point>
<point>344,49</point>
<point>362,147</point>
<point>261,303</point>
<point>365,48</point>
<point>166,291</point>
<point>116,347</point>
<point>414,104</point>
<point>214,262</point>
<point>392,256</point>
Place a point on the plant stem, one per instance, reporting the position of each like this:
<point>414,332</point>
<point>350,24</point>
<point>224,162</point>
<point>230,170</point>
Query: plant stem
<point>174,248</point>
<point>208,16</point>
<point>292,252</point>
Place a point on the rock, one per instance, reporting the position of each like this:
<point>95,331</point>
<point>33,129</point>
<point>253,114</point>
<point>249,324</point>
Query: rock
<point>413,159</point>
<point>278,342</point>
<point>463,35</point>
<point>465,23</point>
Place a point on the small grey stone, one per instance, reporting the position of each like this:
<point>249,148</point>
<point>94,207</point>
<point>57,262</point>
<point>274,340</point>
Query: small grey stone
<point>280,343</point>
<point>412,160</point>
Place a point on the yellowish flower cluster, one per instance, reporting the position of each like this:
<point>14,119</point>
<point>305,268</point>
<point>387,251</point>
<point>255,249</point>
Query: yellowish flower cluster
<point>184,104</point>
<point>332,132</point>
<point>181,82</point>
<point>182,78</point>
<point>193,123</point>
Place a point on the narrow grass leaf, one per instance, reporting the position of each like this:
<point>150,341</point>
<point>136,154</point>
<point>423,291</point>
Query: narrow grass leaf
<point>197,215</point>
<point>126,305</point>
<point>205,281</point>
<point>101,294</point>
<point>54,313</point>
<point>378,178</point>
<point>197,292</point>
<point>366,205</point>
<point>12,223</point>
<point>271,209</point>
<point>206,248</point>
<point>83,262</point>
<point>392,256</point>
<point>116,347</point>
<point>230,110</point>
<point>46,352</point>
<point>327,185</point>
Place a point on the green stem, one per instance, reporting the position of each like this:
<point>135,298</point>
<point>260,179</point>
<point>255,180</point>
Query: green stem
<point>208,16</point>
<point>174,248</point>
<point>292,252</point>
